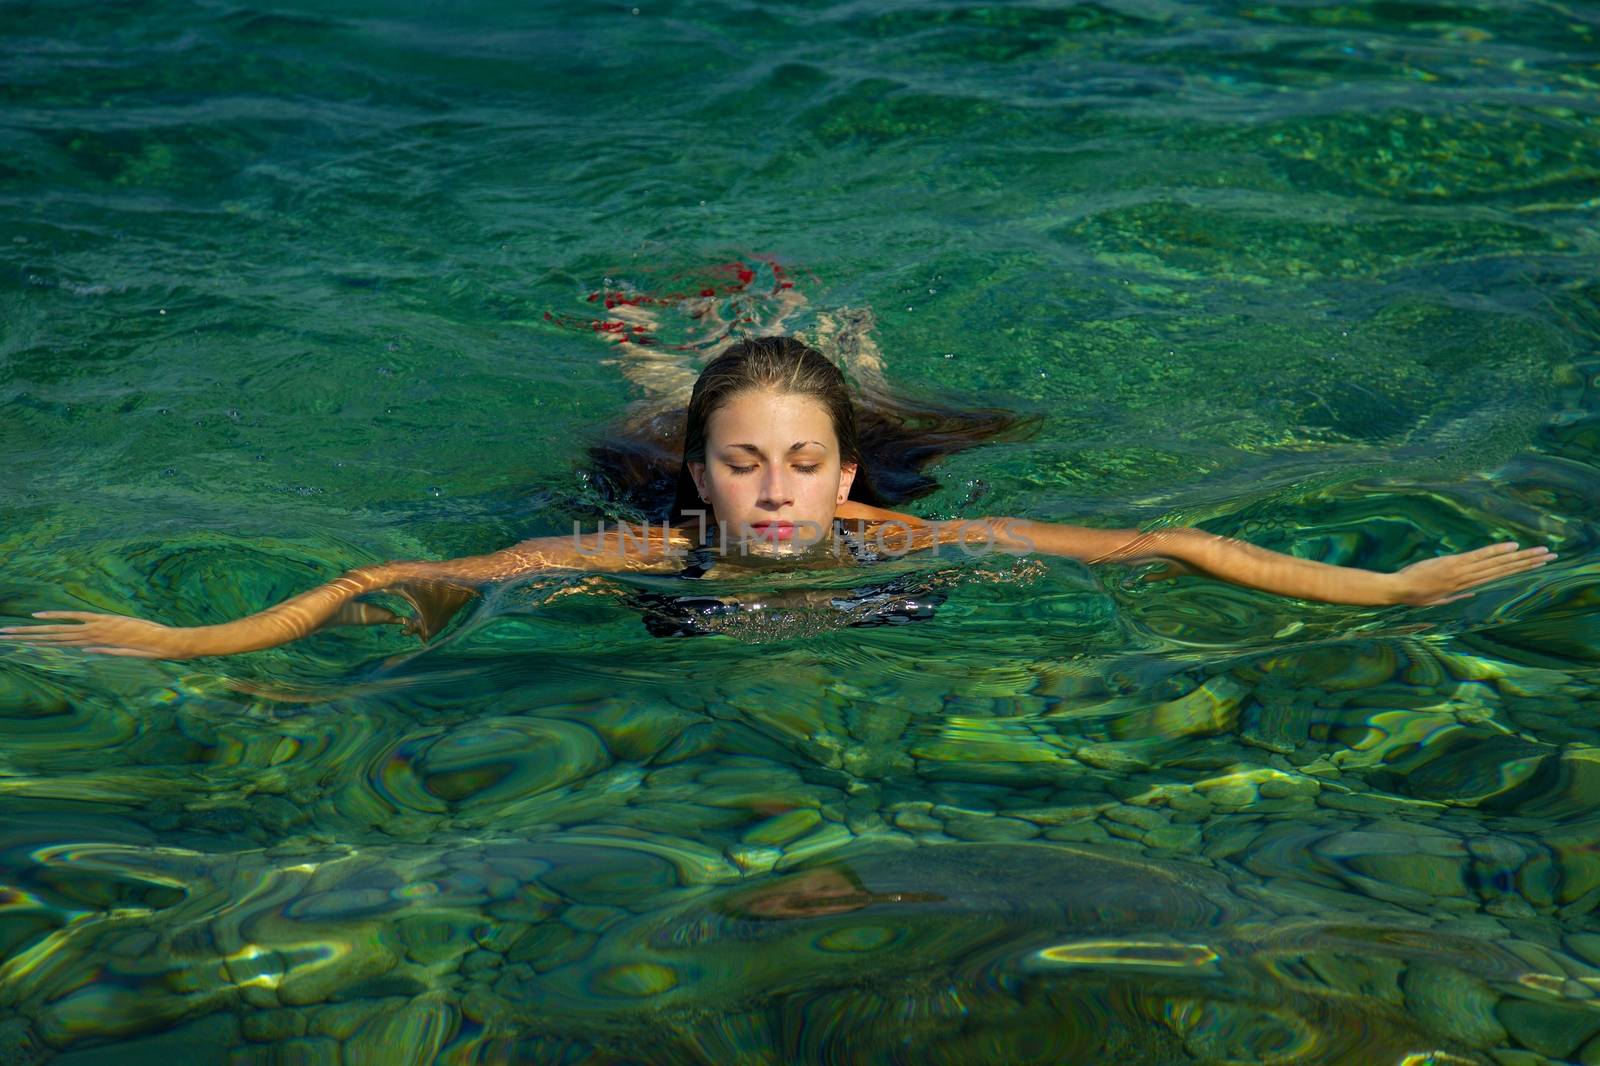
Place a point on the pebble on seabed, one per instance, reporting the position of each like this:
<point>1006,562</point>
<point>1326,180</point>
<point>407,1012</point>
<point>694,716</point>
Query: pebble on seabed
<point>480,934</point>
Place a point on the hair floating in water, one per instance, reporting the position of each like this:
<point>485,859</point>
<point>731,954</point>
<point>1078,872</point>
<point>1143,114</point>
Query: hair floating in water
<point>640,462</point>
<point>724,293</point>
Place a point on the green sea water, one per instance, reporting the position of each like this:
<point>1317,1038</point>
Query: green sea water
<point>289,290</point>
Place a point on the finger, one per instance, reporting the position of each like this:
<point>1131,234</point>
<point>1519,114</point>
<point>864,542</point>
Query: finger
<point>1524,562</point>
<point>1484,577</point>
<point>1524,567</point>
<point>30,630</point>
<point>1512,564</point>
<point>51,642</point>
<point>132,653</point>
<point>1521,560</point>
<point>1490,551</point>
<point>1496,553</point>
<point>81,616</point>
<point>1538,551</point>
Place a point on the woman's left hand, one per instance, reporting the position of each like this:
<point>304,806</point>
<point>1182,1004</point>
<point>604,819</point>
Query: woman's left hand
<point>1447,578</point>
<point>108,634</point>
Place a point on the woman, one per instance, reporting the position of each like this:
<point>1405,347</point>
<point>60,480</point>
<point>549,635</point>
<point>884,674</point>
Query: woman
<point>772,462</point>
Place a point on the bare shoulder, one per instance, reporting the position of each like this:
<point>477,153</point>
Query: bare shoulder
<point>850,509</point>
<point>629,546</point>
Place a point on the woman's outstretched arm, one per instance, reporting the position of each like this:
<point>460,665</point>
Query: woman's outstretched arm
<point>435,590</point>
<point>1431,581</point>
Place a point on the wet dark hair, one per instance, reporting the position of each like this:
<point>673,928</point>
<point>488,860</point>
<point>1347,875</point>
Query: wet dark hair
<point>644,463</point>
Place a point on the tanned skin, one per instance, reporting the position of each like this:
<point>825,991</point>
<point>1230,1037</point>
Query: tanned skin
<point>439,588</point>
<point>772,467</point>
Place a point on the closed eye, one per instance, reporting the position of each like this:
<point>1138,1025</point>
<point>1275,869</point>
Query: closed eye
<point>808,469</point>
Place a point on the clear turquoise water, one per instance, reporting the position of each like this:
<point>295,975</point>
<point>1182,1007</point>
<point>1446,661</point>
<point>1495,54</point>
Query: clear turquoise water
<point>273,297</point>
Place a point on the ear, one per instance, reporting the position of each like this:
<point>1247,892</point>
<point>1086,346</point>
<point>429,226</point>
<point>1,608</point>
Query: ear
<point>847,477</point>
<point>697,471</point>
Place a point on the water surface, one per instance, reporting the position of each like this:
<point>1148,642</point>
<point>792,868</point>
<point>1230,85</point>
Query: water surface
<point>282,292</point>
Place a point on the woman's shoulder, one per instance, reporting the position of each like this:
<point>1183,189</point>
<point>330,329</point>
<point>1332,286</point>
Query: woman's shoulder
<point>852,510</point>
<point>632,546</point>
<point>889,531</point>
<point>899,533</point>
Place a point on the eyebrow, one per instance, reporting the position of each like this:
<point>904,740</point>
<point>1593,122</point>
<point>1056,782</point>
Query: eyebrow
<point>796,446</point>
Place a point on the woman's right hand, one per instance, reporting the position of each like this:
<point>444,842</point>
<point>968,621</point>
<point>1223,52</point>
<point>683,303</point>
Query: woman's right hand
<point>111,634</point>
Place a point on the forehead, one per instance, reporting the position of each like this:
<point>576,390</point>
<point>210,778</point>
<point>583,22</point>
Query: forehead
<point>761,416</point>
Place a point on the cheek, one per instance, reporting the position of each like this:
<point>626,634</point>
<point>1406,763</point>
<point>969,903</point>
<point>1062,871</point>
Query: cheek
<point>824,489</point>
<point>725,487</point>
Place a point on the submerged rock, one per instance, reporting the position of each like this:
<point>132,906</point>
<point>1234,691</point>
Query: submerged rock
<point>992,828</point>
<point>271,1026</point>
<point>410,1036</point>
<point>310,1051</point>
<point>1549,1027</point>
<point>1122,758</point>
<point>19,1044</point>
<point>1453,1004</point>
<point>782,828</point>
<point>324,974</point>
<point>500,761</point>
<point>1210,708</point>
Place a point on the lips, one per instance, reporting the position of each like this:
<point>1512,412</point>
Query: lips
<point>773,530</point>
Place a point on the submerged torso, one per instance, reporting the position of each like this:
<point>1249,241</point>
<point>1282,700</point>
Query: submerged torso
<point>895,600</point>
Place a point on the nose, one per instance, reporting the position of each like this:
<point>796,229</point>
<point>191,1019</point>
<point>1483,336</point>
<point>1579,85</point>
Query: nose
<point>775,491</point>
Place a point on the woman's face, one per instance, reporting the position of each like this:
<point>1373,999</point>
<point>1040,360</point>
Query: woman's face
<point>772,469</point>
